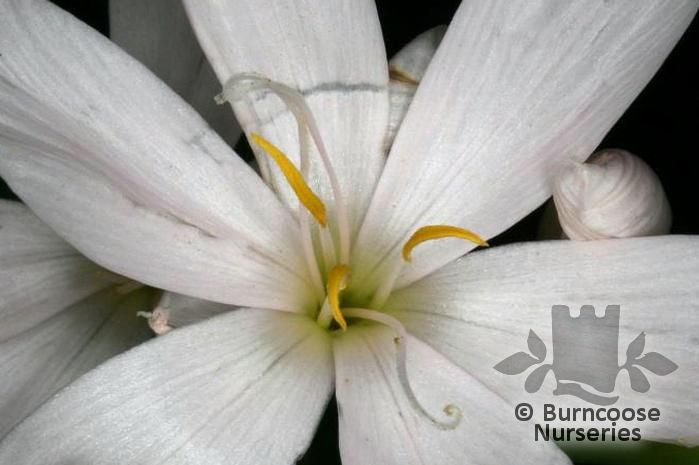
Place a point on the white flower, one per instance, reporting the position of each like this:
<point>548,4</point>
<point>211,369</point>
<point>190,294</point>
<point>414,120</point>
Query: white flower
<point>128,174</point>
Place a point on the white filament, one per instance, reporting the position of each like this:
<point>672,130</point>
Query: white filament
<point>401,340</point>
<point>309,253</point>
<point>386,287</point>
<point>236,87</point>
<point>305,223</point>
<point>325,316</point>
<point>327,248</point>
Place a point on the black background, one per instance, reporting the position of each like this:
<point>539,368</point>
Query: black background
<point>660,127</point>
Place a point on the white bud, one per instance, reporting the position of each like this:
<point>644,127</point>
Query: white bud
<point>406,69</point>
<point>614,194</point>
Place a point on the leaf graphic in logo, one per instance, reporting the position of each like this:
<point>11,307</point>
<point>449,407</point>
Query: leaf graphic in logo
<point>639,382</point>
<point>657,363</point>
<point>536,346</point>
<point>536,378</point>
<point>636,347</point>
<point>516,363</point>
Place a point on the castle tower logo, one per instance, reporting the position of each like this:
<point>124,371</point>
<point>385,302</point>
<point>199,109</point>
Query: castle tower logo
<point>585,358</point>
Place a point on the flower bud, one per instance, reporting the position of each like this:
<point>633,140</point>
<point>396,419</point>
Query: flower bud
<point>614,194</point>
<point>406,69</point>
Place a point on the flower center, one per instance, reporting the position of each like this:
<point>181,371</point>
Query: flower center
<point>328,255</point>
<point>338,275</point>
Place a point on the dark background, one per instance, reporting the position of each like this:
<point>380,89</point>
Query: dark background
<point>660,127</point>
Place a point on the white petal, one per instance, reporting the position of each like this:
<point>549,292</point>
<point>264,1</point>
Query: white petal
<point>479,310</point>
<point>516,89</point>
<point>40,274</point>
<point>39,362</point>
<point>333,53</point>
<point>614,194</point>
<point>158,34</point>
<point>379,425</point>
<point>406,69</point>
<point>124,170</point>
<point>246,388</point>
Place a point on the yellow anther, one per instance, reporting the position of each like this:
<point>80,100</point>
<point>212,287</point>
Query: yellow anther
<point>304,193</point>
<point>438,231</point>
<point>337,282</point>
